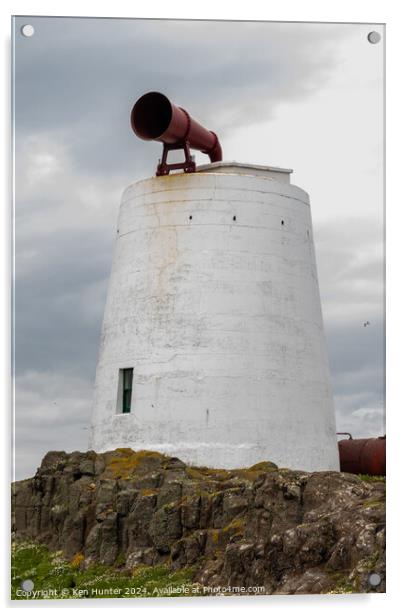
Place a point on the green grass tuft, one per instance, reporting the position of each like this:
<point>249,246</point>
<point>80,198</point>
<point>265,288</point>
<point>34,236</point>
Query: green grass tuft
<point>56,578</point>
<point>372,477</point>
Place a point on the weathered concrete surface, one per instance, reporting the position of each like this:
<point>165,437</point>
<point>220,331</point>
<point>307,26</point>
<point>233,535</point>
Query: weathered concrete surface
<point>220,318</point>
<point>289,531</point>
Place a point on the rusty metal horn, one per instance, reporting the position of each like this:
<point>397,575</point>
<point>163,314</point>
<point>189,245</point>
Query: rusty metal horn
<point>154,117</point>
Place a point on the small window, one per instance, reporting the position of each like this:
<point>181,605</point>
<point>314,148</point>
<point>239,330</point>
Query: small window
<point>125,389</point>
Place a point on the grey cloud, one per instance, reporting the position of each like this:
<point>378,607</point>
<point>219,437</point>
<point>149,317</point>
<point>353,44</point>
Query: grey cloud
<point>350,269</point>
<point>355,347</point>
<point>362,422</point>
<point>59,305</point>
<point>350,265</point>
<point>53,413</point>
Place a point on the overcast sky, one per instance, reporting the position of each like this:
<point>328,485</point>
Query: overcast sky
<point>304,96</point>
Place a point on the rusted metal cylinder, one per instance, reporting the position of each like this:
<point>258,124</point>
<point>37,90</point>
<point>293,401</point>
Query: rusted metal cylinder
<point>364,456</point>
<point>154,117</point>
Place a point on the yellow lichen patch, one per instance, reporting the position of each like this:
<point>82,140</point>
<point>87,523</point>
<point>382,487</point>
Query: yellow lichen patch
<point>124,462</point>
<point>148,492</point>
<point>264,466</point>
<point>373,503</point>
<point>194,473</point>
<point>77,560</point>
<point>237,525</point>
<point>201,493</point>
<point>221,474</point>
<point>255,471</point>
<point>219,535</point>
<point>215,534</point>
<point>176,503</point>
<point>203,472</point>
<point>249,475</point>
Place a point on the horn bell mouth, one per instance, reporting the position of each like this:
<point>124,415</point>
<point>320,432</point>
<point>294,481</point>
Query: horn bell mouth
<point>151,115</point>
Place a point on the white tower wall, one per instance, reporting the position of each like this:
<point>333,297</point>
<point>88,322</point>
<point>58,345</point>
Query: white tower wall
<point>220,320</point>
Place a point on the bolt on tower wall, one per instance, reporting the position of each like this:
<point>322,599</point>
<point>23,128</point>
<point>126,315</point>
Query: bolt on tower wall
<point>212,346</point>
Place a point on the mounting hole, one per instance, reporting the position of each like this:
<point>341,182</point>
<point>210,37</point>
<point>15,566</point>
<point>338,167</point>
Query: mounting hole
<point>374,579</point>
<point>282,222</point>
<point>374,37</point>
<point>234,217</point>
<point>27,30</point>
<point>190,218</point>
<point>27,585</point>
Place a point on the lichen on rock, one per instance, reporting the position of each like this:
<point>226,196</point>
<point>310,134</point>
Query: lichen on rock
<point>288,531</point>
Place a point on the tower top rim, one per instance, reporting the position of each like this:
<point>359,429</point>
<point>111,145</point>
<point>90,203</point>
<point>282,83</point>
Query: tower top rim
<point>232,166</point>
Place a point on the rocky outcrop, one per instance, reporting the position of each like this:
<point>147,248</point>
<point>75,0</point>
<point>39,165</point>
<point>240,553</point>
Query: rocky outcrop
<point>288,531</point>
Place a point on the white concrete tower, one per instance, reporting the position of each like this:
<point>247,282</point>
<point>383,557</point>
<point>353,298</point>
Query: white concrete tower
<point>212,346</point>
